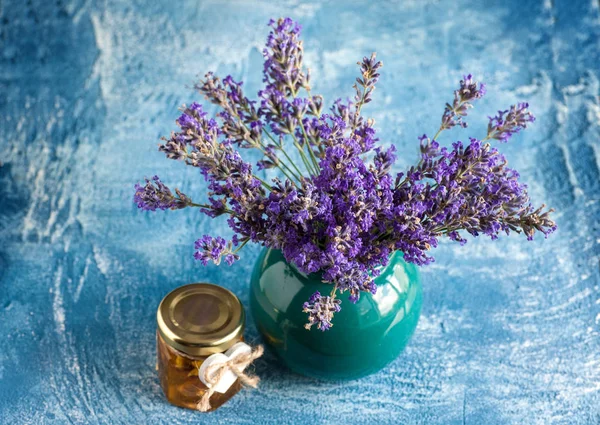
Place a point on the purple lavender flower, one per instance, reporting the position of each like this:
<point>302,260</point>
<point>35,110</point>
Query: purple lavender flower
<point>155,195</point>
<point>215,249</point>
<point>369,69</point>
<point>508,122</point>
<point>283,71</point>
<point>474,191</point>
<point>383,161</point>
<point>468,91</point>
<point>320,311</point>
<point>364,86</point>
<point>345,214</point>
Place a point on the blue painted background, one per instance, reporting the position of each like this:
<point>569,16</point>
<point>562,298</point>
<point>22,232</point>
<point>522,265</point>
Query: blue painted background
<point>510,330</point>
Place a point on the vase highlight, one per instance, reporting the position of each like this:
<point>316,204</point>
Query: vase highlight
<point>365,337</point>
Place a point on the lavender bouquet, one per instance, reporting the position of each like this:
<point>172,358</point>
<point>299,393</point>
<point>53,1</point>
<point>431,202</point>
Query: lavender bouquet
<point>338,210</point>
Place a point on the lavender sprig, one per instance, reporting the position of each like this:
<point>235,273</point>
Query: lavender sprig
<point>502,126</point>
<point>214,249</point>
<point>284,76</point>
<point>283,70</point>
<point>320,310</point>
<point>154,195</point>
<point>365,84</point>
<point>468,92</point>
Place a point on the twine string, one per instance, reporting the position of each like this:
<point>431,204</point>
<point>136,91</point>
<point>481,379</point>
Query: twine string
<point>216,372</point>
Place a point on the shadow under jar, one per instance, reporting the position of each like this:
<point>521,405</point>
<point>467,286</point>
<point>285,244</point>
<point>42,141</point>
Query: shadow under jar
<point>194,322</point>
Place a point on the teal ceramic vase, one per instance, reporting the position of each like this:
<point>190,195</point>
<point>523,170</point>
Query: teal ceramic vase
<point>365,336</point>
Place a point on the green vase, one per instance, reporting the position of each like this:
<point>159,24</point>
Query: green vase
<point>365,336</point>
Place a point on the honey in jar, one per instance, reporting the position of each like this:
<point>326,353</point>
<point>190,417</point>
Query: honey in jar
<point>195,322</point>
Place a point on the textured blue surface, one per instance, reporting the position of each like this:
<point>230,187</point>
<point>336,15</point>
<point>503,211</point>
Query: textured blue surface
<point>509,331</point>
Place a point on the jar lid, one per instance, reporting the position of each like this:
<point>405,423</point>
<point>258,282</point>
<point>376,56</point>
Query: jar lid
<point>200,319</point>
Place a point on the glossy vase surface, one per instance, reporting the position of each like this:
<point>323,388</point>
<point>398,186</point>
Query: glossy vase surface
<point>365,336</point>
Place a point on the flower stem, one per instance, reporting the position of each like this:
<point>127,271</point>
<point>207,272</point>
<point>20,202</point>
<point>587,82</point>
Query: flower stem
<point>359,105</point>
<point>241,246</point>
<point>262,147</point>
<point>227,210</point>
<point>192,204</point>
<point>284,152</point>
<point>310,151</point>
<point>333,291</point>
<point>282,170</point>
<point>310,170</point>
<point>442,128</point>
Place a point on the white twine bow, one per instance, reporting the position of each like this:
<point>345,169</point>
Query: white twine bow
<point>236,364</point>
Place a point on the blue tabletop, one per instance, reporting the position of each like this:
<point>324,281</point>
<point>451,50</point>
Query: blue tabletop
<point>509,332</point>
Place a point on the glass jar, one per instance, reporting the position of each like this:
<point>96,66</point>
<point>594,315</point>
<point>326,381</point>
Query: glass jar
<point>194,322</point>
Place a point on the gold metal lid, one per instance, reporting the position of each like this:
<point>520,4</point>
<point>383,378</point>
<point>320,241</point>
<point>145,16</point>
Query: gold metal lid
<point>201,319</point>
